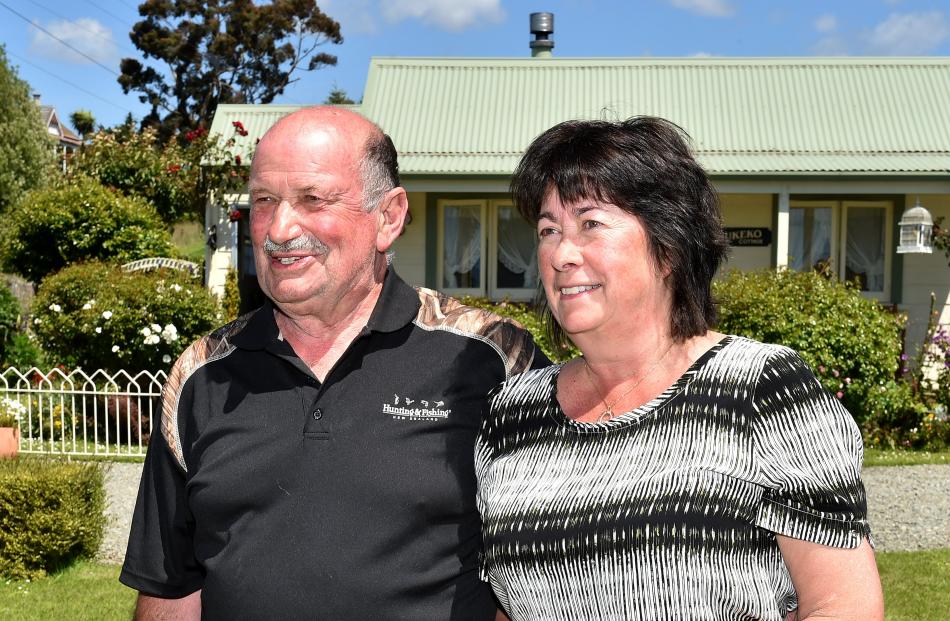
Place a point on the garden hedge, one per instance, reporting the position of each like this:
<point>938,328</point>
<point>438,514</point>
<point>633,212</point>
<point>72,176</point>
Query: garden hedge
<point>51,513</point>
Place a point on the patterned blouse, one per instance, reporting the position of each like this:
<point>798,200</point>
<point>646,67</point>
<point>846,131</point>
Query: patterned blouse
<point>668,511</point>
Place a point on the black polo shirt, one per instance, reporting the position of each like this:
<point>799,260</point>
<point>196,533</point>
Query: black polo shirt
<point>282,497</point>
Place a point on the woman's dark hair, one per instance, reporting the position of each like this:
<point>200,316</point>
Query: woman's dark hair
<point>644,166</point>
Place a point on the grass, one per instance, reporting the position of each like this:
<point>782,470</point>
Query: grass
<point>86,591</point>
<point>890,457</point>
<point>915,585</point>
<point>915,589</point>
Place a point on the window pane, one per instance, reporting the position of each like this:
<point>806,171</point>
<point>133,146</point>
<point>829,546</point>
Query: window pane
<point>517,266</point>
<point>864,250</point>
<point>809,243</point>
<point>462,246</point>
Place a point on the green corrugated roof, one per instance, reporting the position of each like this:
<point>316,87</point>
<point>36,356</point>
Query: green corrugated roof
<point>749,116</point>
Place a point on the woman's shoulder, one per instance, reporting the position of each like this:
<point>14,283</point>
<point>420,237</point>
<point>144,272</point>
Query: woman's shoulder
<point>531,385</point>
<point>746,352</point>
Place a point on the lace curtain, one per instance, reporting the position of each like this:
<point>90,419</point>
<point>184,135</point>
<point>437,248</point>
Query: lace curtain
<point>462,244</point>
<point>517,250</point>
<point>864,251</point>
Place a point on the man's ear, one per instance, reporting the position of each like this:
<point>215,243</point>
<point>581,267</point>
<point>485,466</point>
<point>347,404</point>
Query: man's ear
<point>392,218</point>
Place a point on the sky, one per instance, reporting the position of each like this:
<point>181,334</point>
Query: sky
<point>84,77</point>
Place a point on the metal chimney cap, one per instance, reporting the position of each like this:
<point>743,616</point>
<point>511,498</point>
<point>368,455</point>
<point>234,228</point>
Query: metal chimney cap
<point>542,24</point>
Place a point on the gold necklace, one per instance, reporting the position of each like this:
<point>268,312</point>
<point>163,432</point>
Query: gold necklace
<point>608,412</point>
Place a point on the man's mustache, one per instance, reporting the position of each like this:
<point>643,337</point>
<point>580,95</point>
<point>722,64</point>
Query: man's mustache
<point>304,242</point>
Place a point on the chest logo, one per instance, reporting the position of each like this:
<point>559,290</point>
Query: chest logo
<point>407,408</point>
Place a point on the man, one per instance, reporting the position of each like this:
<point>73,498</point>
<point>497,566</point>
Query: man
<point>315,457</point>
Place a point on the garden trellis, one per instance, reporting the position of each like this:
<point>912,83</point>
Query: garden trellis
<point>76,413</point>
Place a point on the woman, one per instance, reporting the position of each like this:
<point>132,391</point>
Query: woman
<point>670,472</point>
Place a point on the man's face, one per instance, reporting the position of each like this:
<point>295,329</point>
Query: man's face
<point>314,245</point>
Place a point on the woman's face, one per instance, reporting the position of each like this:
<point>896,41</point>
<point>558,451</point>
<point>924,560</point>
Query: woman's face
<point>597,270</point>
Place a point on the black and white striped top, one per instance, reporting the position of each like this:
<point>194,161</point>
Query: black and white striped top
<point>668,511</point>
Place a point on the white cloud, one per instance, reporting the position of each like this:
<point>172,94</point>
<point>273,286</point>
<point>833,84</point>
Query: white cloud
<point>701,55</point>
<point>85,34</point>
<point>909,34</point>
<point>826,23</point>
<point>713,8</point>
<point>446,14</point>
<point>832,45</point>
<point>357,16</point>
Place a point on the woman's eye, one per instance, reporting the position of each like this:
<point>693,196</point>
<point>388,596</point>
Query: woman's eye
<point>591,224</point>
<point>546,231</point>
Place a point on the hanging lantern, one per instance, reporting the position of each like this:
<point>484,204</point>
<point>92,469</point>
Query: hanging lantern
<point>916,231</point>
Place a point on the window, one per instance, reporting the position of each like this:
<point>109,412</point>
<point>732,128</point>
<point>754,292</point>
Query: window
<point>851,238</point>
<point>486,249</point>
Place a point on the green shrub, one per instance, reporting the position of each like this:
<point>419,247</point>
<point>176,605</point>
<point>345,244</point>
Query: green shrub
<point>174,178</point>
<point>9,318</point>
<point>852,343</point>
<point>96,315</point>
<point>231,301</point>
<point>51,513</point>
<point>50,229</point>
<point>528,317</point>
<point>22,353</point>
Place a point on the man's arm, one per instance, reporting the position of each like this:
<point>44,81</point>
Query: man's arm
<point>187,608</point>
<point>834,583</point>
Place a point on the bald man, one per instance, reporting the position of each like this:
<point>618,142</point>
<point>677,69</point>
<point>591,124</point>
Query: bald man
<point>315,459</point>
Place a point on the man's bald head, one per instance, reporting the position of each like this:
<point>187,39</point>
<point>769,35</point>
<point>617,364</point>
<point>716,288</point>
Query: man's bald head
<point>371,152</point>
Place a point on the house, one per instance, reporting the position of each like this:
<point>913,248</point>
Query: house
<point>815,160</point>
<point>65,140</point>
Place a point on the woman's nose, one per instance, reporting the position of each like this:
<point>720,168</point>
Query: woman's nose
<point>566,254</point>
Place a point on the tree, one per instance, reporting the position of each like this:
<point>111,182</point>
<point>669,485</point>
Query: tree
<point>221,51</point>
<point>338,97</point>
<point>84,122</point>
<point>26,155</point>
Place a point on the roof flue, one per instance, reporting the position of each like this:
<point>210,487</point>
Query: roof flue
<point>542,27</point>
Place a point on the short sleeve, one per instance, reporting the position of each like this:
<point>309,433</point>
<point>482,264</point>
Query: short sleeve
<point>160,557</point>
<point>808,452</point>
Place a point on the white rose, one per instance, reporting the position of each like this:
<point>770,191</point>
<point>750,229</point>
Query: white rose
<point>115,349</point>
<point>98,330</point>
<point>107,314</point>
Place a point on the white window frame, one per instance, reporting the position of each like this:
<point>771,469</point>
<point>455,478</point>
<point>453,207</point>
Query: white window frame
<point>489,209</point>
<point>888,207</point>
<point>839,236</point>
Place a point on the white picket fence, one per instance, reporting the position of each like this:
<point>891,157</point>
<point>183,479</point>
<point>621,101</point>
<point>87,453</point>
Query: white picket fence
<point>75,413</point>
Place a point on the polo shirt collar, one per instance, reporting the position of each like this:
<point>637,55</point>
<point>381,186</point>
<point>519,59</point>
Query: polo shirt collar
<point>397,306</point>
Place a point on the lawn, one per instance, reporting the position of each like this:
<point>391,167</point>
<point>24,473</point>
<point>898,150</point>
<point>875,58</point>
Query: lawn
<point>86,591</point>
<point>888,457</point>
<point>915,589</point>
<point>916,585</point>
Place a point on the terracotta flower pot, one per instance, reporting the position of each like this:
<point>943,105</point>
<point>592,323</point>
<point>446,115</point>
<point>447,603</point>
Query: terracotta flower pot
<point>9,442</point>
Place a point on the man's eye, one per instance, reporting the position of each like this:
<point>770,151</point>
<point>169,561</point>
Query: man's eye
<point>263,200</point>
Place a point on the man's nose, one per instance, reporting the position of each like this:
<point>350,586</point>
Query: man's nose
<point>284,224</point>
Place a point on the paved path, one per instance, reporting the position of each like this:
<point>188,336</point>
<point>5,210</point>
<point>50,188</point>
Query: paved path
<point>908,507</point>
